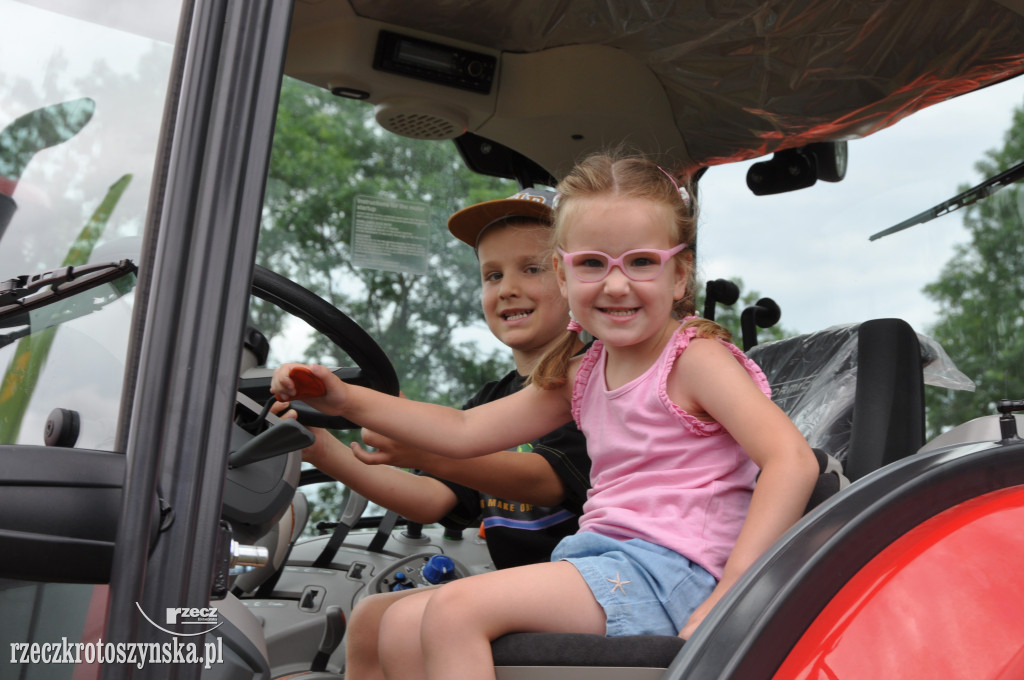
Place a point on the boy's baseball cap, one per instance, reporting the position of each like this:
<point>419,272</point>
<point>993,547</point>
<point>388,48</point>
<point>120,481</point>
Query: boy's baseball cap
<point>469,223</point>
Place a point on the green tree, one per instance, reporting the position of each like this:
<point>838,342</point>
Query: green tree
<point>328,150</point>
<point>981,297</point>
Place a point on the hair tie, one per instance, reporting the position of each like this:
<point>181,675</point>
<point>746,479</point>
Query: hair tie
<point>683,193</point>
<point>574,326</point>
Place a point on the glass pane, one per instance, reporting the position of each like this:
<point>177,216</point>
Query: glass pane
<point>401,276</point>
<point>82,89</point>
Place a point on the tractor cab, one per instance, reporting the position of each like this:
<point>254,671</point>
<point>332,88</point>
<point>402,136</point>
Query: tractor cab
<point>193,192</point>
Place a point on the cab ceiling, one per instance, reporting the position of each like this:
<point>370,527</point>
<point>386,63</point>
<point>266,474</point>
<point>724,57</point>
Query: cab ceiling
<point>697,82</point>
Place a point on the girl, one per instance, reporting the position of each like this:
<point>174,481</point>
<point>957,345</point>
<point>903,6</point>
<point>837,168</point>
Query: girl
<point>677,423</point>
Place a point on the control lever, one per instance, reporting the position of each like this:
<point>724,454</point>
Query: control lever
<point>334,632</point>
<point>719,290</point>
<point>1007,423</point>
<point>283,437</point>
<point>353,511</point>
<point>307,385</point>
<point>764,313</point>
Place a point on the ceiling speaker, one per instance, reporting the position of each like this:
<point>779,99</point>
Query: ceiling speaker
<point>420,119</point>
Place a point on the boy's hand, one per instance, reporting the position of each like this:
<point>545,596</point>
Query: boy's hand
<point>390,452</point>
<point>315,453</point>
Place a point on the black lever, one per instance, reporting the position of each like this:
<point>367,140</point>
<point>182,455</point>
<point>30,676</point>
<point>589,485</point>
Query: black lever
<point>334,632</point>
<point>1007,421</point>
<point>283,437</point>
<point>719,290</point>
<point>765,313</point>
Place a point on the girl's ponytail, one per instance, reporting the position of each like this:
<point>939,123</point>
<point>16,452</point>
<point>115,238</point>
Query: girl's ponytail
<point>707,329</point>
<point>552,370</point>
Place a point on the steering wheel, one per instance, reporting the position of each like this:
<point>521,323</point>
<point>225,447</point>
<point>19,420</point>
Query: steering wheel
<point>373,369</point>
<point>264,466</point>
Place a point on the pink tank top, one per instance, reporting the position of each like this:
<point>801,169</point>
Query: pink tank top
<point>659,473</point>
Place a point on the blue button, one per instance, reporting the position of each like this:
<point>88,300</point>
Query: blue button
<point>439,569</point>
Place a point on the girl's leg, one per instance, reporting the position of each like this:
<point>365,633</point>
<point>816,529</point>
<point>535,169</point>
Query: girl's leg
<point>399,647</point>
<point>460,620</point>
<point>362,654</point>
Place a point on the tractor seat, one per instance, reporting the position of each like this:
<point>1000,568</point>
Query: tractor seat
<point>856,392</point>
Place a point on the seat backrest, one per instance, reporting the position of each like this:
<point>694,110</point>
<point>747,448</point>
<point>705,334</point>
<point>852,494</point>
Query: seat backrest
<point>856,392</point>
<point>278,541</point>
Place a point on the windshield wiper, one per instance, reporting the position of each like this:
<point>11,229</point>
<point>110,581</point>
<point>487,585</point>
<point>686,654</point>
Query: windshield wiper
<point>972,195</point>
<point>31,291</point>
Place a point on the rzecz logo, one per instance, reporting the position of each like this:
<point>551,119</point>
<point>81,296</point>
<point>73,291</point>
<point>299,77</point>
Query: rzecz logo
<point>204,617</point>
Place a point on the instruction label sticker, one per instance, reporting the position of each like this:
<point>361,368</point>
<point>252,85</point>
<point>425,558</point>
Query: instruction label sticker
<point>391,234</point>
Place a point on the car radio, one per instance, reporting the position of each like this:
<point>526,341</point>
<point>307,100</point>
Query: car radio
<point>433,62</point>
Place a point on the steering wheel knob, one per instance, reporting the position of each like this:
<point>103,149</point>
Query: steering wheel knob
<point>307,385</point>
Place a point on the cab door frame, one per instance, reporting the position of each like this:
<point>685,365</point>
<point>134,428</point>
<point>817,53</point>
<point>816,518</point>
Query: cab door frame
<point>198,256</point>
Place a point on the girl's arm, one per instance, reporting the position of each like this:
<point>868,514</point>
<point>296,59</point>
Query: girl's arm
<point>709,380</point>
<point>497,425</point>
<point>516,476</point>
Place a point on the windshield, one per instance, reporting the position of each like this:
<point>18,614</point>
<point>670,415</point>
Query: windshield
<point>81,101</point>
<point>957,278</point>
<point>808,250</point>
<point>365,229</point>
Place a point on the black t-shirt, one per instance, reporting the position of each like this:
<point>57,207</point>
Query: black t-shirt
<point>520,533</point>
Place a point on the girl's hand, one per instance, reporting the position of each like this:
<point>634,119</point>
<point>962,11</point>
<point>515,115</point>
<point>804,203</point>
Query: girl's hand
<point>307,385</point>
<point>701,612</point>
<point>313,384</point>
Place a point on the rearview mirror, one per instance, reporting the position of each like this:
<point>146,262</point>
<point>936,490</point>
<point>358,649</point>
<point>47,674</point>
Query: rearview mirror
<point>798,168</point>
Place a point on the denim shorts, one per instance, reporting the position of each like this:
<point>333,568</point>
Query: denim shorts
<point>645,589</point>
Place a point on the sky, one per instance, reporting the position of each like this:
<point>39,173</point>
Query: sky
<point>809,249</point>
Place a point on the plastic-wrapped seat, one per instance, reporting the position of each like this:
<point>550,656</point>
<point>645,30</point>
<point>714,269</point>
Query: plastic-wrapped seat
<point>856,392</point>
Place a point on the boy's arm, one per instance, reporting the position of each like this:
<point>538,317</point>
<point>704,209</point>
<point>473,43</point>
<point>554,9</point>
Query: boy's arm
<point>491,427</point>
<point>420,499</point>
<point>516,476</point>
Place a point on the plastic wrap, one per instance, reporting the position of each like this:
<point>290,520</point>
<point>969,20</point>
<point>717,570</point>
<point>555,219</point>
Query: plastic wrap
<point>747,77</point>
<point>814,380</point>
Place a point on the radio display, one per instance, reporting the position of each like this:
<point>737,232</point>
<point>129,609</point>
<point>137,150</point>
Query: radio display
<point>434,62</point>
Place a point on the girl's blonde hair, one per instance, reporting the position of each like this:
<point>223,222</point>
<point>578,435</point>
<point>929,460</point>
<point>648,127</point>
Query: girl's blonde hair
<point>626,177</point>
